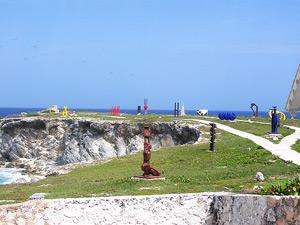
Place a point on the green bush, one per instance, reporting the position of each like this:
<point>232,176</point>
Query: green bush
<point>283,187</point>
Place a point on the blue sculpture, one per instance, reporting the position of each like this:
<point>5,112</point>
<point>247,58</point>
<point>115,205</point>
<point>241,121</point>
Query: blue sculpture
<point>227,116</point>
<point>275,120</point>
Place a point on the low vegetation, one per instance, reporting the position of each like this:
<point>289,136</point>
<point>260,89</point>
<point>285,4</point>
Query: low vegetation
<point>283,187</point>
<point>253,128</point>
<point>190,168</point>
<point>296,146</point>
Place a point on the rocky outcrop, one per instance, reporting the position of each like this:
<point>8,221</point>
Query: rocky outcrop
<point>203,208</point>
<point>42,145</point>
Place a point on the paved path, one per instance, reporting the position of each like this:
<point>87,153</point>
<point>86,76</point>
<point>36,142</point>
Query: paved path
<point>283,150</point>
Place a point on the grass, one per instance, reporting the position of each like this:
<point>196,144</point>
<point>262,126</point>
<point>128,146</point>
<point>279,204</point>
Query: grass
<point>190,168</point>
<point>151,118</point>
<point>253,128</point>
<point>296,146</point>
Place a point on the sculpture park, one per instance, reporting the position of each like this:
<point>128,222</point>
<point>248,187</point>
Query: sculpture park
<point>148,112</point>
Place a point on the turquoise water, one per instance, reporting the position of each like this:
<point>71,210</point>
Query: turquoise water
<point>7,175</point>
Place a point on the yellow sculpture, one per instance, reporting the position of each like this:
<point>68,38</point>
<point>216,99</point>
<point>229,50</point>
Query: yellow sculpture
<point>65,113</point>
<point>282,115</point>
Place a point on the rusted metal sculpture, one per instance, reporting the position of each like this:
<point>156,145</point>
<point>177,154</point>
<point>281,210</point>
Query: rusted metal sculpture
<point>149,171</point>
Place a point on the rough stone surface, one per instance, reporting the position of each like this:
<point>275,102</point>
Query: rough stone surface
<point>259,177</point>
<point>203,208</point>
<point>40,145</point>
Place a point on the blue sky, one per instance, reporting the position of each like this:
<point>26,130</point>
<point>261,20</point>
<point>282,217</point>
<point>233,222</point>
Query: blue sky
<point>95,54</point>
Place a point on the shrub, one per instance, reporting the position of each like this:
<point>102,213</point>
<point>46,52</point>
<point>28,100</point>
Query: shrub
<point>284,187</point>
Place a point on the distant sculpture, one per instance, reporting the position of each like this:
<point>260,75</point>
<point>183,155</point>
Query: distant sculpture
<point>227,116</point>
<point>276,116</point>
<point>182,111</point>
<point>139,110</point>
<point>65,112</point>
<point>176,109</point>
<point>274,120</point>
<point>146,107</point>
<point>255,113</point>
<point>51,109</point>
<point>202,112</point>
<point>115,111</point>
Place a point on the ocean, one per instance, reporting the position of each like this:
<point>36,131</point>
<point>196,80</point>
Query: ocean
<point>6,112</point>
<point>9,175</point>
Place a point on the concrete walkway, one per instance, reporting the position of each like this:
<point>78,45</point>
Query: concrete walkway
<point>283,150</point>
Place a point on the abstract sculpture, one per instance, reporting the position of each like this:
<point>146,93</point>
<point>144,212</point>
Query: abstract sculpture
<point>65,113</point>
<point>176,109</point>
<point>146,107</point>
<point>274,120</point>
<point>255,113</point>
<point>149,171</point>
<point>227,116</point>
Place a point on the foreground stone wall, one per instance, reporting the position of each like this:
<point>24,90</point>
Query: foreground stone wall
<point>204,208</point>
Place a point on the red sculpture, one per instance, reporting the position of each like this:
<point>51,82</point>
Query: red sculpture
<point>115,111</point>
<point>149,172</point>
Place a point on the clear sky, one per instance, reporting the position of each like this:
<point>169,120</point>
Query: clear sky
<point>95,54</point>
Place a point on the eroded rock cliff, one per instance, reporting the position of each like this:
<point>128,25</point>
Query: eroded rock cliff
<point>40,145</point>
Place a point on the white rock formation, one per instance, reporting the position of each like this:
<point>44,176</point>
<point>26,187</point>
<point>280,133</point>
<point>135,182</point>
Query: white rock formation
<point>259,177</point>
<point>203,208</point>
<point>40,145</point>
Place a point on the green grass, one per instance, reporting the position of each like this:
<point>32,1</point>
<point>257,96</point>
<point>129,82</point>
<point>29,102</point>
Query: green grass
<point>186,168</point>
<point>151,118</point>
<point>253,128</point>
<point>296,146</point>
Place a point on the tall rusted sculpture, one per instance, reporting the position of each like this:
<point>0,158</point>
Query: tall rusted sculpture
<point>146,167</point>
<point>149,171</point>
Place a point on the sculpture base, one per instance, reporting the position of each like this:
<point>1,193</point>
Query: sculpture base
<point>149,177</point>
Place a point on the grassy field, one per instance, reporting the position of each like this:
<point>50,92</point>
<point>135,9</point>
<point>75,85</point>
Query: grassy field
<point>296,146</point>
<point>253,128</point>
<point>186,168</point>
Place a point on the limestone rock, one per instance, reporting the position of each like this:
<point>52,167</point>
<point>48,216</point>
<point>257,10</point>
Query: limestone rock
<point>36,196</point>
<point>259,177</point>
<point>42,146</point>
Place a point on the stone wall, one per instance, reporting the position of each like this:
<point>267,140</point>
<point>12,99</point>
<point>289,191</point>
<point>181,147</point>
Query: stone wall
<point>203,208</point>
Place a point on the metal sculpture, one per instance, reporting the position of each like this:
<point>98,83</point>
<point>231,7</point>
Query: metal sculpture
<point>139,110</point>
<point>176,109</point>
<point>146,107</point>
<point>182,111</point>
<point>115,111</point>
<point>65,112</point>
<point>274,124</point>
<point>149,171</point>
<point>255,113</point>
<point>227,116</point>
